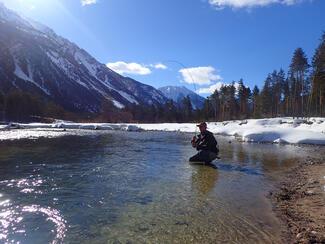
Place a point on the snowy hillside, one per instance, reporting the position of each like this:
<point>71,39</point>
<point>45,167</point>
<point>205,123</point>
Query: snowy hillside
<point>276,130</point>
<point>33,58</point>
<point>177,93</point>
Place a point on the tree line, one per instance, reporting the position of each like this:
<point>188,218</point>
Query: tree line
<point>22,106</point>
<point>169,112</point>
<point>298,93</point>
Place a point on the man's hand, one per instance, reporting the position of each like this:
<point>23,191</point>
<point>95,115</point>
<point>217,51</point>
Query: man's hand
<point>194,141</point>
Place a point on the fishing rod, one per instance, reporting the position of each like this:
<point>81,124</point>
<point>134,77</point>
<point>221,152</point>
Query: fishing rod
<point>195,138</point>
<point>190,74</point>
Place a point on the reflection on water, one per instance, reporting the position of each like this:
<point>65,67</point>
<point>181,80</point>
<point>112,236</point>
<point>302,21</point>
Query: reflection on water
<point>204,179</point>
<point>138,188</point>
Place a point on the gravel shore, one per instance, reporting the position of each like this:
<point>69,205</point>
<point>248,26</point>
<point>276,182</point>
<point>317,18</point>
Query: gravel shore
<point>299,201</point>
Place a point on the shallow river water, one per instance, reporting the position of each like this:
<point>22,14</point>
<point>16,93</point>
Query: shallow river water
<point>131,187</point>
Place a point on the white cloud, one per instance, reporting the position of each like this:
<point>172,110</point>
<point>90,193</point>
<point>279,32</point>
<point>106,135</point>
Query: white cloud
<point>88,2</point>
<point>219,4</point>
<point>200,75</point>
<point>212,88</point>
<point>129,68</point>
<point>160,66</point>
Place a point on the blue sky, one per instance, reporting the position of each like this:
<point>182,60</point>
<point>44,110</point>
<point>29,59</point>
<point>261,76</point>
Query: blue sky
<point>218,40</point>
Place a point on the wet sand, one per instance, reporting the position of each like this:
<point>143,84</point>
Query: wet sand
<point>299,201</point>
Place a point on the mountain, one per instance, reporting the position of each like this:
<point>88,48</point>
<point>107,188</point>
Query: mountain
<point>33,58</point>
<point>177,93</point>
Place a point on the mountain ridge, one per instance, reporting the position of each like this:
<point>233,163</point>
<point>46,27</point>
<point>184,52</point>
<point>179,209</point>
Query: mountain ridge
<point>33,58</point>
<point>177,93</point>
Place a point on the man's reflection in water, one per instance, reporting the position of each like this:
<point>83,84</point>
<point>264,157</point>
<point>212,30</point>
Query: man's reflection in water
<point>204,179</point>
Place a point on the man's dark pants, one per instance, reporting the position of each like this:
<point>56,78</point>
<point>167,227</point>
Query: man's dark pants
<point>204,156</point>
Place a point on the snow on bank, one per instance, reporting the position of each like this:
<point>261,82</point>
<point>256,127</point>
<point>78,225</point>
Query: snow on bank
<point>37,133</point>
<point>276,130</point>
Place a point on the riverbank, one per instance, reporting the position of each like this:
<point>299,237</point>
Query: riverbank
<point>273,130</point>
<point>300,202</point>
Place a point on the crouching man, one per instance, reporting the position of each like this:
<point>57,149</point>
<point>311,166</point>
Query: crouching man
<point>206,144</point>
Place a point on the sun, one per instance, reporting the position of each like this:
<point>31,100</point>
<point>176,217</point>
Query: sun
<point>26,6</point>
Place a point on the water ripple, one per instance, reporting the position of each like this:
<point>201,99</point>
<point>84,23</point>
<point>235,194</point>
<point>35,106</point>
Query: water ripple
<point>12,224</point>
<point>30,184</point>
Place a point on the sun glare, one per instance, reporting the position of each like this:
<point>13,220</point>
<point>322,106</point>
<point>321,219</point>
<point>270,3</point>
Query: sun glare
<point>26,6</point>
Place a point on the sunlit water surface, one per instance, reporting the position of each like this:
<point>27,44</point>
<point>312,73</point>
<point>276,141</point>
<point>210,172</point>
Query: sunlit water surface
<point>129,187</point>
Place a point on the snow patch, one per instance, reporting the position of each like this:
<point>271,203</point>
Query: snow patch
<point>92,68</point>
<point>118,104</point>
<point>21,75</point>
<point>65,66</point>
<point>128,97</point>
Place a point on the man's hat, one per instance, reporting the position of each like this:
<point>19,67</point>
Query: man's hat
<point>203,124</point>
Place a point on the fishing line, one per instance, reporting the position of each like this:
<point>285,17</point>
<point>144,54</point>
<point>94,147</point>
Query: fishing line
<point>191,77</point>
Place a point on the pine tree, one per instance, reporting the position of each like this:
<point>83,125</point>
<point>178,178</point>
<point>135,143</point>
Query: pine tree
<point>244,96</point>
<point>248,97</point>
<point>256,103</point>
<point>241,98</point>
<point>187,108</point>
<point>233,106</point>
<point>298,72</point>
<point>285,87</point>
<point>266,97</point>
<point>215,102</point>
<point>223,102</point>
<point>170,111</point>
<point>228,103</point>
<point>277,83</point>
<point>317,96</point>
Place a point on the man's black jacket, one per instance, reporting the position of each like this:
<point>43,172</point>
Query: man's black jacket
<point>207,141</point>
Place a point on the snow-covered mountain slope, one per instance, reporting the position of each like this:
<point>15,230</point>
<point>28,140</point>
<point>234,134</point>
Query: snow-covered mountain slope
<point>34,59</point>
<point>177,93</point>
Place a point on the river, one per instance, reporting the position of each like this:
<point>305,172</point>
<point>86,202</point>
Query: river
<point>138,187</point>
